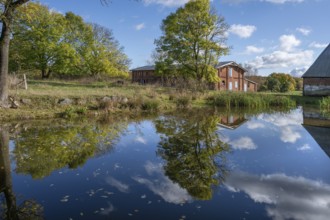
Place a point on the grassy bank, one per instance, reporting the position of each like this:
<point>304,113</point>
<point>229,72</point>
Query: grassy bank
<point>51,99</point>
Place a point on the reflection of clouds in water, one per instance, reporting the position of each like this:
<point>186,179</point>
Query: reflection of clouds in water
<point>140,139</point>
<point>107,210</point>
<point>305,147</point>
<point>287,197</point>
<point>243,143</point>
<point>288,135</point>
<point>254,125</point>
<point>117,184</point>
<point>286,124</point>
<point>164,187</point>
<point>282,120</point>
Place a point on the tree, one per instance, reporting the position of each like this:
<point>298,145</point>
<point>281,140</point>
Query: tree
<point>280,82</point>
<point>192,42</point>
<point>7,9</point>
<point>38,38</point>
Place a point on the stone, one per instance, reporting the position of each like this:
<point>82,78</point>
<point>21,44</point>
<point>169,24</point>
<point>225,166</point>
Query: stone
<point>65,101</point>
<point>26,101</point>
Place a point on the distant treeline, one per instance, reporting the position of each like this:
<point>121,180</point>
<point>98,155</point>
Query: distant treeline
<point>49,43</point>
<point>278,82</point>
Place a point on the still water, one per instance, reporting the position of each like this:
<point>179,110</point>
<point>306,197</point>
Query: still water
<point>189,165</point>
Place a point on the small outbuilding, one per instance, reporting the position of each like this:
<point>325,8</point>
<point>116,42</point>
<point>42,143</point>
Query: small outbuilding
<point>317,77</point>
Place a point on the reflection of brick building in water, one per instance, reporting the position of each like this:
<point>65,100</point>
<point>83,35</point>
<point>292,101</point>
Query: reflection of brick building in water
<point>232,121</point>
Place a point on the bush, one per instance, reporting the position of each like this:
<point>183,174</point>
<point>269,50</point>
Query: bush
<point>183,102</point>
<point>325,104</point>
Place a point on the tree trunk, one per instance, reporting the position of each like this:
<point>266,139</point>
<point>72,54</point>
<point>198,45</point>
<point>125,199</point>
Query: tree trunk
<point>45,74</point>
<point>4,59</point>
<point>5,175</point>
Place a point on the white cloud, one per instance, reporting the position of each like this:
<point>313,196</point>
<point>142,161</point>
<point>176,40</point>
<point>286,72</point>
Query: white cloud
<point>162,186</point>
<point>166,3</point>
<point>283,59</point>
<point>304,31</point>
<point>244,143</point>
<point>282,1</point>
<point>139,27</point>
<point>298,72</point>
<point>243,31</point>
<point>117,184</point>
<point>253,49</point>
<point>318,45</point>
<point>289,42</point>
<point>285,197</point>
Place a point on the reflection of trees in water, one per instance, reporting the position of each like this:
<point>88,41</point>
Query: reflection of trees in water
<point>39,150</point>
<point>193,151</point>
<point>29,209</point>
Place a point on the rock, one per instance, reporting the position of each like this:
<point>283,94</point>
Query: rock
<point>124,100</point>
<point>65,101</point>
<point>26,101</point>
<point>14,104</point>
<point>106,99</point>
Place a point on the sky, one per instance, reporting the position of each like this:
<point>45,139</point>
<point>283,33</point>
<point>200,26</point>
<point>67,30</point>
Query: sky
<point>268,35</point>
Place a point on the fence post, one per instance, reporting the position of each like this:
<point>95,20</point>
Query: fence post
<point>25,82</point>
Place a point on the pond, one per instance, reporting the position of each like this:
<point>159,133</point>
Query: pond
<point>198,164</point>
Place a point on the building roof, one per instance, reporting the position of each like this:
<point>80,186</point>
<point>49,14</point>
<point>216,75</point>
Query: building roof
<point>321,67</point>
<point>250,81</point>
<point>321,136</point>
<point>227,63</point>
<point>219,65</point>
<point>144,68</point>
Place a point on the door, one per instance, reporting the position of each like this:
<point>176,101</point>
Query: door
<point>230,86</point>
<point>245,87</point>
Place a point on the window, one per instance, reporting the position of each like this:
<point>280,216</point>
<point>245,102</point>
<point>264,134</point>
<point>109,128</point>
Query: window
<point>223,82</point>
<point>230,72</point>
<point>236,84</point>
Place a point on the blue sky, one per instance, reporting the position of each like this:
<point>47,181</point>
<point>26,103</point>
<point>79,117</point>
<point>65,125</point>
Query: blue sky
<point>269,35</point>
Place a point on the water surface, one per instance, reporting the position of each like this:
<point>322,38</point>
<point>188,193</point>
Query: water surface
<point>189,165</point>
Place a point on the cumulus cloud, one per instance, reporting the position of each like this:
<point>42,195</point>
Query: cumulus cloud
<point>283,59</point>
<point>166,3</point>
<point>289,42</point>
<point>298,72</point>
<point>286,197</point>
<point>318,45</point>
<point>304,31</point>
<point>253,49</point>
<point>162,186</point>
<point>243,143</point>
<point>283,1</point>
<point>243,31</point>
<point>139,27</point>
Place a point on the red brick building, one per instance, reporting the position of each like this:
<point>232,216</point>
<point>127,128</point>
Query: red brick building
<point>317,77</point>
<point>232,77</point>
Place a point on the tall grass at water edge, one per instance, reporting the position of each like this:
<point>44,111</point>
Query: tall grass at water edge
<point>250,100</point>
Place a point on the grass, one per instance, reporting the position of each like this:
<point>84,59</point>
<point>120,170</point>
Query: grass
<point>250,100</point>
<point>89,99</point>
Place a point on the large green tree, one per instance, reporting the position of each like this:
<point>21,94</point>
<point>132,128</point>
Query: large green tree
<point>193,41</point>
<point>38,39</point>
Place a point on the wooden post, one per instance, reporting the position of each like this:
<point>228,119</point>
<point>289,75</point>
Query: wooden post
<point>25,82</point>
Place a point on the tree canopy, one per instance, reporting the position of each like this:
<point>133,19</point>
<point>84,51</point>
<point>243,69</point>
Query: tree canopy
<point>50,42</point>
<point>192,42</point>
